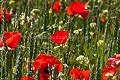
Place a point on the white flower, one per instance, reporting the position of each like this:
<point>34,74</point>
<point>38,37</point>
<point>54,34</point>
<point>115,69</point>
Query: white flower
<point>76,32</point>
<point>91,33</point>
<point>92,24</point>
<point>109,74</point>
<point>100,43</point>
<point>83,60</point>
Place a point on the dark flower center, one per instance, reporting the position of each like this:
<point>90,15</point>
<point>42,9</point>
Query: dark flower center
<point>46,70</point>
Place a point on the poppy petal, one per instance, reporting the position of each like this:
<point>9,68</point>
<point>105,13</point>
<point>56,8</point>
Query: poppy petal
<point>1,19</point>
<point>85,74</point>
<point>12,39</point>
<point>77,7</point>
<point>69,12</point>
<point>42,61</point>
<point>1,42</point>
<point>8,17</point>
<point>85,14</point>
<point>75,73</point>
<point>27,78</point>
<point>59,37</point>
<point>56,6</point>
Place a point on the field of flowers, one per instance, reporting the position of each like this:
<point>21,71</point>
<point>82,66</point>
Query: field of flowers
<point>60,40</point>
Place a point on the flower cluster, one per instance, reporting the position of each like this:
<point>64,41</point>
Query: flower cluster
<point>43,62</point>
<point>80,74</point>
<point>7,14</point>
<point>75,8</point>
<point>112,69</point>
<point>11,39</point>
<point>78,8</point>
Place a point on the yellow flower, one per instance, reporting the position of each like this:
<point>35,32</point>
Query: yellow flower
<point>100,43</point>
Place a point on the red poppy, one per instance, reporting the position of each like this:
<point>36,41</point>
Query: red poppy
<point>77,8</point>
<point>42,61</point>
<point>85,14</point>
<point>102,19</point>
<point>49,5</point>
<point>1,11</point>
<point>27,78</point>
<point>8,15</point>
<point>115,60</point>
<point>0,18</point>
<point>69,12</point>
<point>12,39</point>
<point>108,72</point>
<point>80,74</point>
<point>59,37</point>
<point>117,56</point>
<point>112,61</point>
<point>56,6</point>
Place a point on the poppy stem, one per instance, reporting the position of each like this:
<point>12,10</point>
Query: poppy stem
<point>38,74</point>
<point>4,29</point>
<point>6,59</point>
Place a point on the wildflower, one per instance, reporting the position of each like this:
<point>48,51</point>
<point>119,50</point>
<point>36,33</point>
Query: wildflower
<point>59,27</point>
<point>115,61</point>
<point>42,61</point>
<point>49,5</point>
<point>92,24</point>
<point>61,22</point>
<point>56,6</point>
<point>12,2</point>
<point>91,33</point>
<point>27,78</point>
<point>35,11</point>
<point>82,60</point>
<point>108,72</point>
<point>99,1</point>
<point>102,19</point>
<point>50,11</point>
<point>80,74</point>
<point>105,11</point>
<point>76,32</point>
<point>77,8</point>
<point>80,30</point>
<point>59,37</point>
<point>56,47</point>
<point>8,15</point>
<point>100,43</point>
<point>12,39</point>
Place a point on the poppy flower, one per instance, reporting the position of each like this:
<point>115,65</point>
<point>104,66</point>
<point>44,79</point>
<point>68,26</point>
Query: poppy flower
<point>112,61</point>
<point>49,5</point>
<point>117,56</point>
<point>42,61</point>
<point>56,6</point>
<point>59,37</point>
<point>27,78</point>
<point>77,8</point>
<point>102,19</point>
<point>108,72</point>
<point>0,18</point>
<point>69,12</point>
<point>85,14</point>
<point>115,61</point>
<point>8,15</point>
<point>1,11</point>
<point>80,74</point>
<point>12,39</point>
